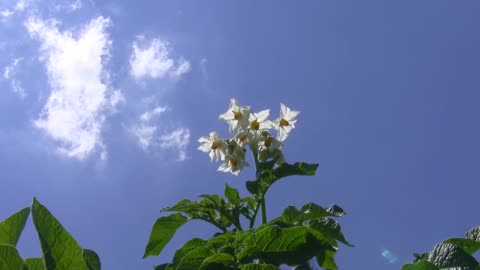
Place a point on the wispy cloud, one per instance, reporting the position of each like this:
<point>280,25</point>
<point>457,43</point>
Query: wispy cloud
<point>152,136</point>
<point>176,140</point>
<point>153,61</point>
<point>145,129</point>
<point>8,74</point>
<point>80,97</point>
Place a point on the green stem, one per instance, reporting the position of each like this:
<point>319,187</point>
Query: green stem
<point>264,211</point>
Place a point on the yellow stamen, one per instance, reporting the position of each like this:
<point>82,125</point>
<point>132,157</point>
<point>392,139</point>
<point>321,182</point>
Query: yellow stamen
<point>255,125</point>
<point>237,115</point>
<point>216,144</point>
<point>268,142</point>
<point>284,123</point>
<point>233,162</point>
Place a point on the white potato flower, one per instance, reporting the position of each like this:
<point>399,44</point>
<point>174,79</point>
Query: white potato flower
<point>235,159</point>
<point>214,146</point>
<point>236,116</point>
<point>259,121</point>
<point>285,123</point>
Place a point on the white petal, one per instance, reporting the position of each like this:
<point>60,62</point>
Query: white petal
<point>263,115</point>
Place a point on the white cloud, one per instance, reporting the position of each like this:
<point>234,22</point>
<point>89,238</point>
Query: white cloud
<point>8,74</point>
<point>145,130</point>
<point>6,13</point>
<point>18,89</point>
<point>154,61</point>
<point>176,140</point>
<point>80,98</point>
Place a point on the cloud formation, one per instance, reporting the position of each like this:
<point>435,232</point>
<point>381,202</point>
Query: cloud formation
<point>176,140</point>
<point>153,61</point>
<point>150,135</point>
<point>8,74</point>
<point>80,98</point>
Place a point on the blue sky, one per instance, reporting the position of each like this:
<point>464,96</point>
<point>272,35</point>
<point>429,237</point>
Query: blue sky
<point>102,103</point>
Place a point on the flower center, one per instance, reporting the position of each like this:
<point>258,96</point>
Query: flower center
<point>284,123</point>
<point>237,115</point>
<point>233,162</point>
<point>268,142</point>
<point>216,144</point>
<point>243,138</point>
<point>255,125</point>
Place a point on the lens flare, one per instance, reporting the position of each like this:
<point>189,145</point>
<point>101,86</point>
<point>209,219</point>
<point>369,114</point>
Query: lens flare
<point>389,256</point>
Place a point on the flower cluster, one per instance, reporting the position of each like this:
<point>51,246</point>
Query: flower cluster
<point>249,129</point>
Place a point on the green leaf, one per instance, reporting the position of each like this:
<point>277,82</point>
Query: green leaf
<point>194,258</point>
<point>162,231</point>
<point>34,264</point>
<point>470,246</point>
<point>187,248</point>
<point>164,266</point>
<point>448,255</point>
<point>329,229</point>
<point>275,245</point>
<point>232,195</point>
<point>326,260</point>
<point>60,250</point>
<point>92,259</point>
<point>267,177</point>
<point>12,227</point>
<point>473,234</point>
<point>218,261</point>
<point>420,265</point>
<point>10,259</point>
<point>254,266</point>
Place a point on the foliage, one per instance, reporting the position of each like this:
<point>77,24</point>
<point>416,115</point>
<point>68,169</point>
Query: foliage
<point>60,250</point>
<point>294,238</point>
<point>453,253</point>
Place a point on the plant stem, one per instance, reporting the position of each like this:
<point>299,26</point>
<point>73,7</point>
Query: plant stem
<point>264,211</point>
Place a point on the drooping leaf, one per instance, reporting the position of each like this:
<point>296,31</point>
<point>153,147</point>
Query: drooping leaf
<point>420,265</point>
<point>254,266</point>
<point>275,245</point>
<point>92,259</point>
<point>326,260</point>
<point>10,259</point>
<point>60,250</point>
<point>164,266</point>
<point>329,229</point>
<point>447,255</point>
<point>162,231</point>
<point>34,264</point>
<point>232,195</point>
<point>468,245</point>
<point>218,261</point>
<point>473,234</point>
<point>12,227</point>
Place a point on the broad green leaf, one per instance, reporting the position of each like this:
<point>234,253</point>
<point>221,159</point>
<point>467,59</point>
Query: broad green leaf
<point>326,260</point>
<point>92,259</point>
<point>187,248</point>
<point>470,246</point>
<point>34,264</point>
<point>12,227</point>
<point>162,231</point>
<point>267,177</point>
<point>329,229</point>
<point>254,266</point>
<point>218,261</point>
<point>10,259</point>
<point>277,246</point>
<point>420,265</point>
<point>310,211</point>
<point>60,250</point>
<point>232,195</point>
<point>223,242</point>
<point>473,234</point>
<point>164,266</point>
<point>193,260</point>
<point>448,255</point>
